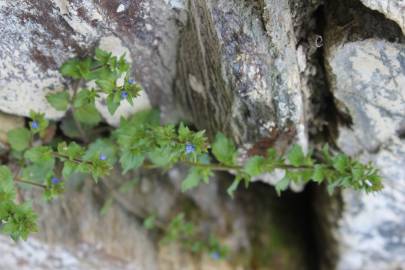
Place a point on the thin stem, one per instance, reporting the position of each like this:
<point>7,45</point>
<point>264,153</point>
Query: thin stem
<point>76,160</point>
<point>18,180</point>
<point>79,127</point>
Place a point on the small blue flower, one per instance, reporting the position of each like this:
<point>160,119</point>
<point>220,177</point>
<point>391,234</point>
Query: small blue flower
<point>103,157</point>
<point>124,95</point>
<point>55,180</point>
<point>34,125</point>
<point>215,255</point>
<point>131,81</point>
<point>190,148</point>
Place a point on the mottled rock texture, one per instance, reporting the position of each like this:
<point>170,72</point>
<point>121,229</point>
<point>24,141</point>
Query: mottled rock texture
<point>238,70</point>
<point>37,36</point>
<point>262,71</point>
<point>368,80</point>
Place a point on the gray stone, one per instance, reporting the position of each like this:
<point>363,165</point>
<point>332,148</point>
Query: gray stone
<point>38,36</point>
<point>367,80</point>
<point>392,9</point>
<point>238,70</point>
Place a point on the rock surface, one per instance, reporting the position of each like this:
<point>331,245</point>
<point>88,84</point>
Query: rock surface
<point>392,9</point>
<point>368,80</point>
<point>249,68</point>
<point>38,36</point>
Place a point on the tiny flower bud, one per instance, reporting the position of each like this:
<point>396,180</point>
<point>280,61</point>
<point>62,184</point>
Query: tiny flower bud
<point>103,157</point>
<point>124,95</point>
<point>190,148</point>
<point>55,180</point>
<point>34,125</point>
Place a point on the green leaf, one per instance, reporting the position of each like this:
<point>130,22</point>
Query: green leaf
<point>19,138</point>
<point>130,161</point>
<point>87,115</point>
<point>255,166</point>
<point>38,172</point>
<point>7,190</point>
<point>146,117</point>
<point>39,154</point>
<point>69,168</point>
<point>192,180</point>
<point>224,149</point>
<point>71,69</point>
<point>232,188</point>
<point>113,102</point>
<point>319,173</point>
<point>85,97</point>
<point>106,85</point>
<point>341,162</point>
<point>71,151</point>
<point>150,222</point>
<point>60,101</point>
<point>102,56</point>
<point>162,157</point>
<point>102,146</point>
<point>296,156</point>
<point>282,185</point>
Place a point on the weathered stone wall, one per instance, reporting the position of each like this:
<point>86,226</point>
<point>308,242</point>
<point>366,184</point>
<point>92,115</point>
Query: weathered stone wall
<point>267,73</point>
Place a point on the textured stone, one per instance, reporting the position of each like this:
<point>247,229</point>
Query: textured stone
<point>367,79</point>
<point>392,9</point>
<point>38,36</point>
<point>118,240</point>
<point>238,70</point>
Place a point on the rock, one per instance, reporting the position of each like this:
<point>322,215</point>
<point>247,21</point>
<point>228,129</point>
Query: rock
<point>238,71</point>
<point>37,37</point>
<point>117,238</point>
<point>367,80</point>
<point>394,10</point>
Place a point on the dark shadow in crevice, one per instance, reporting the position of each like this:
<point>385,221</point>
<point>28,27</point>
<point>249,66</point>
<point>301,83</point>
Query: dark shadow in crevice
<point>281,229</point>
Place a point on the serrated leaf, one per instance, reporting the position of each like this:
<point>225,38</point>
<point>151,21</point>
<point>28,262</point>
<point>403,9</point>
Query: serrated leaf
<point>150,222</point>
<point>39,154</point>
<point>113,103</point>
<point>319,173</point>
<point>71,69</point>
<point>102,56</point>
<point>192,180</point>
<point>341,162</point>
<point>130,161</point>
<point>232,188</point>
<point>69,168</point>
<point>282,185</point>
<point>296,156</point>
<point>60,101</point>
<point>161,157</point>
<point>224,149</point>
<point>254,166</point>
<point>87,115</point>
<point>7,190</point>
<point>19,138</point>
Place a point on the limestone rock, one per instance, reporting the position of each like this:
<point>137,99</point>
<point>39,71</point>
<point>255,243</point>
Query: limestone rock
<point>238,70</point>
<point>38,36</point>
<point>368,79</point>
